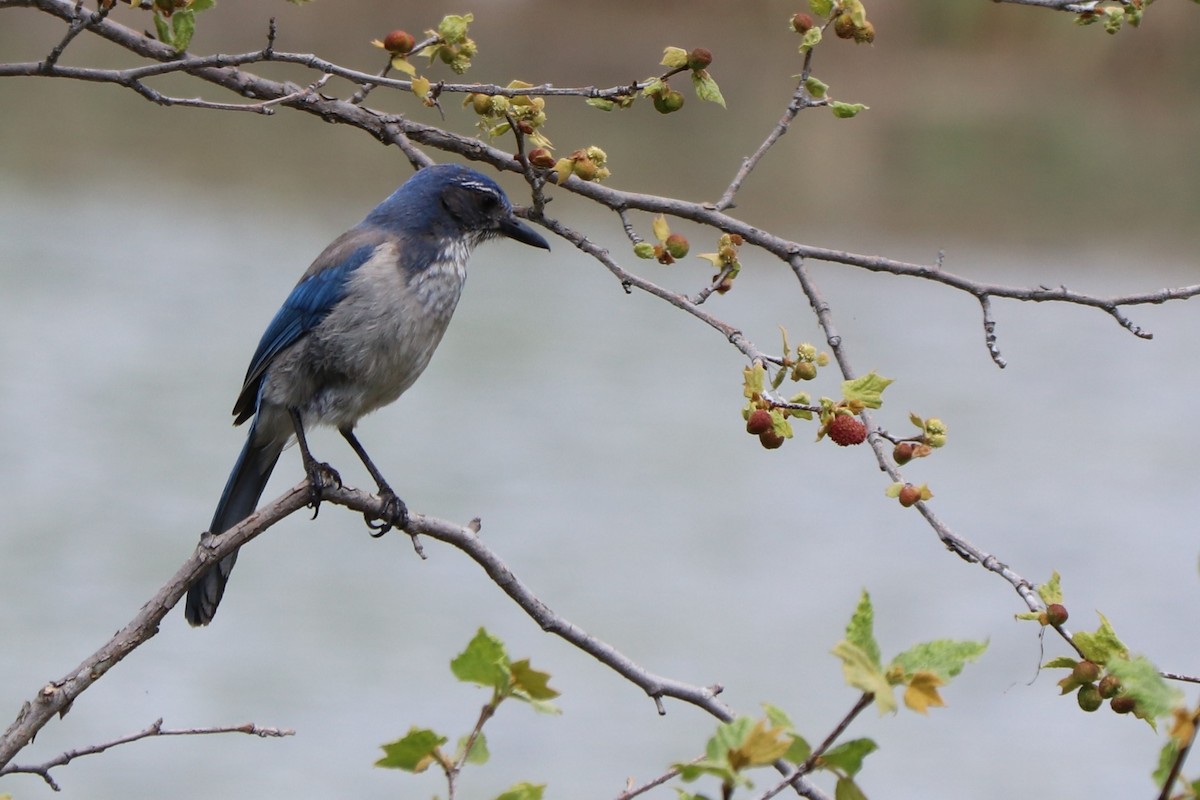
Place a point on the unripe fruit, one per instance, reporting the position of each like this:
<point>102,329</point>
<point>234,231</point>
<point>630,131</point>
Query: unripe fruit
<point>399,42</point>
<point>846,430</point>
<point>1086,672</point>
<point>903,453</point>
<point>668,101</point>
<point>699,58</point>
<point>1123,704</point>
<point>802,23</point>
<point>1109,686</point>
<point>1088,698</point>
<point>843,26</point>
<point>586,169</point>
<point>676,245</point>
<point>864,34</point>
<point>804,371</point>
<point>541,157</point>
<point>759,422</point>
<point>909,495</point>
<point>1056,614</point>
<point>770,440</point>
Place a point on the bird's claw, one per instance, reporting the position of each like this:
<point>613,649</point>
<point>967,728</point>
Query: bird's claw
<point>395,514</point>
<point>321,476</point>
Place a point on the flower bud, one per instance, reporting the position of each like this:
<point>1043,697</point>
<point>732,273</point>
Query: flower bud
<point>802,23</point>
<point>677,245</point>
<point>399,42</point>
<point>699,58</point>
<point>541,157</point>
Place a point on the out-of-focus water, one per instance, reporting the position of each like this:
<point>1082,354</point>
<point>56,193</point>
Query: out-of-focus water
<point>597,435</point>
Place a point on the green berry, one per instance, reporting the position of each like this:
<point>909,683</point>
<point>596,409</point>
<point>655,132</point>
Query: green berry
<point>1088,697</point>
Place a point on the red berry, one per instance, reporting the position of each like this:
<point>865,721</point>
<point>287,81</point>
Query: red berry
<point>1086,671</point>
<point>1109,686</point>
<point>909,495</point>
<point>802,23</point>
<point>903,452</point>
<point>399,42</point>
<point>847,430</point>
<point>770,440</point>
<point>1056,614</point>
<point>541,157</point>
<point>759,422</point>
<point>1123,704</point>
<point>699,58</point>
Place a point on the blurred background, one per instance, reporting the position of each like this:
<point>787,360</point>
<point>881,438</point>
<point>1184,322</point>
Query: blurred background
<point>597,434</point>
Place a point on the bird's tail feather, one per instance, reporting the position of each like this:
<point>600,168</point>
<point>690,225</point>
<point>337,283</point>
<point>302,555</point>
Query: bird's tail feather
<point>238,501</point>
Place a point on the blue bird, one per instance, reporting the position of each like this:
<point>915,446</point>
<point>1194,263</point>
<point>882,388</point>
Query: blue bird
<point>356,331</point>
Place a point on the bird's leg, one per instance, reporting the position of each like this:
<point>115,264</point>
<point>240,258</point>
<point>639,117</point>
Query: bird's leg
<point>320,475</point>
<point>395,513</point>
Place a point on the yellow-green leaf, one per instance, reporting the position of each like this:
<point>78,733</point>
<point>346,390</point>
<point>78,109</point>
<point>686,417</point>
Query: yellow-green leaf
<point>868,389</point>
<point>674,57</point>
<point>864,674</point>
<point>402,64</point>
<point>414,752</point>
<point>706,88</point>
<point>661,229</point>
<point>1051,590</point>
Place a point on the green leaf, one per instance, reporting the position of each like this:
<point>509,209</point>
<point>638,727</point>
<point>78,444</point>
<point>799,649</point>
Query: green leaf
<point>799,750</point>
<point>1062,662</point>
<point>201,5</point>
<point>183,26</point>
<point>163,30</point>
<point>483,662</point>
<point>706,88</point>
<point>812,38</point>
<point>868,389</point>
<point>674,58</point>
<point>863,673</point>
<point>479,752</point>
<point>1166,756</point>
<point>1140,680</point>
<point>848,756</point>
<point>847,789</point>
<point>412,753</point>
<point>1101,646</point>
<point>523,791</point>
<point>943,657</point>
<point>815,87</point>
<point>821,8</point>
<point>453,27</point>
<point>602,103</point>
<point>846,110</point>
<point>1051,590</point>
<point>777,716</point>
<point>653,86</point>
<point>529,683</point>
<point>860,631</point>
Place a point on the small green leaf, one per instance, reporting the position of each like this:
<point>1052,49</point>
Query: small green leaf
<point>812,38</point>
<point>862,673</point>
<point>201,5</point>
<point>860,631</point>
<point>943,657</point>
<point>821,8</point>
<point>1166,756</point>
<point>868,389</point>
<point>815,87</point>
<point>777,716</point>
<point>847,789</point>
<point>523,791</point>
<point>1051,590</point>
<point>1062,662</point>
<point>183,26</point>
<point>846,110</point>
<point>602,103</point>
<point>412,753</point>
<point>530,683</point>
<point>653,86</point>
<point>453,27</point>
<point>706,88</point>
<point>479,752</point>
<point>848,756</point>
<point>162,29</point>
<point>799,750</point>
<point>1103,645</point>
<point>674,58</point>
<point>483,662</point>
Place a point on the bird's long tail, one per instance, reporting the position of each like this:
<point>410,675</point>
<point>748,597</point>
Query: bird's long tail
<point>238,501</point>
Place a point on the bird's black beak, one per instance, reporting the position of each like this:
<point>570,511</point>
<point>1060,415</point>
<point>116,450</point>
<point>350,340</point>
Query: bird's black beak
<point>513,228</point>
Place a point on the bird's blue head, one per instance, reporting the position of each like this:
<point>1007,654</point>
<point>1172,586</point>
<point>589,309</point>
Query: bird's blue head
<point>450,202</point>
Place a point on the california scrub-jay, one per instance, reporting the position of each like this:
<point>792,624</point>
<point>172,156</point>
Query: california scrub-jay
<point>357,330</point>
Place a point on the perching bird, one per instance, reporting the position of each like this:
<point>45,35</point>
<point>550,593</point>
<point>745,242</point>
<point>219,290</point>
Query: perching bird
<point>357,330</point>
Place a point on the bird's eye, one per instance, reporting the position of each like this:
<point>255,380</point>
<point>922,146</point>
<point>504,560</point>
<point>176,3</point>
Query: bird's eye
<point>488,201</point>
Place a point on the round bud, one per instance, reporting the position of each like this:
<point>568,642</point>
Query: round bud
<point>677,245</point>
<point>770,440</point>
<point>1086,672</point>
<point>759,422</point>
<point>541,157</point>
<point>643,250</point>
<point>1056,614</point>
<point>864,34</point>
<point>586,169</point>
<point>447,54</point>
<point>846,430</point>
<point>804,371</point>
<point>802,23</point>
<point>668,101</point>
<point>1109,686</point>
<point>481,104</point>
<point>903,452</point>
<point>1088,698</point>
<point>399,42</point>
<point>699,58</point>
<point>843,26</point>
<point>909,495</point>
<point>1122,703</point>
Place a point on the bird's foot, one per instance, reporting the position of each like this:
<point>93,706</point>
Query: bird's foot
<point>321,476</point>
<point>395,514</point>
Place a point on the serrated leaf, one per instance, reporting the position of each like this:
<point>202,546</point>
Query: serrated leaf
<point>698,769</point>
<point>674,57</point>
<point>453,27</point>
<point>753,379</point>
<point>810,39</point>
<point>706,88</point>
<point>821,8</point>
<point>1140,680</point>
<point>815,86</point>
<point>479,752</point>
<point>922,692</point>
<point>847,789</point>
<point>862,673</point>
<point>846,110</point>
<point>1101,646</point>
<point>1166,760</point>
<point>483,662</point>
<point>777,716</point>
<point>860,631</point>
<point>402,64</point>
<point>531,682</point>
<point>420,87</point>
<point>413,752</point>
<point>183,26</point>
<point>943,657</point>
<point>762,745</point>
<point>1062,662</point>
<point>523,791</point>
<point>660,227</point>
<point>848,756</point>
<point>1051,590</point>
<point>868,389</point>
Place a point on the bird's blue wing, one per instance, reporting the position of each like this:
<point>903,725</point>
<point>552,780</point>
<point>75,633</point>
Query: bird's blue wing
<point>309,303</point>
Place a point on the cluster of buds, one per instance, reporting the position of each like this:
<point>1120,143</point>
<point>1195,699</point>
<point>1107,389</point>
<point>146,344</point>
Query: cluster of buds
<point>670,245</point>
<point>498,114</point>
<point>1092,686</point>
<point>932,435</point>
<point>725,260</point>
<point>850,22</point>
<point>587,164</point>
<point>453,47</point>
